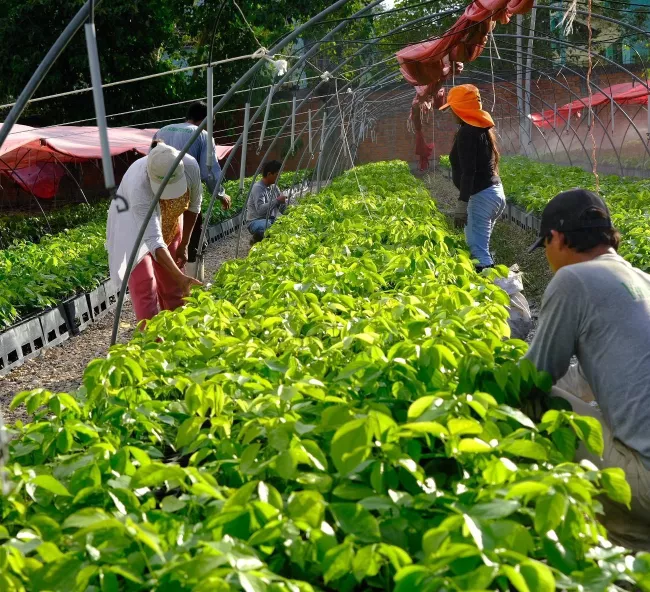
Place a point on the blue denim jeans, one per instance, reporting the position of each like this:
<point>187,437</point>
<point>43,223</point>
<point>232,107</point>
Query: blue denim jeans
<point>483,211</point>
<point>260,225</point>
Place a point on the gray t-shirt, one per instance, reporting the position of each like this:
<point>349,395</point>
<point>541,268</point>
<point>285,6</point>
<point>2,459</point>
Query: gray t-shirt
<point>599,311</point>
<point>262,202</point>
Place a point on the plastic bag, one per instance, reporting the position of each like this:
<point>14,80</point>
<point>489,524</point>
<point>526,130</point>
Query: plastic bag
<point>520,319</point>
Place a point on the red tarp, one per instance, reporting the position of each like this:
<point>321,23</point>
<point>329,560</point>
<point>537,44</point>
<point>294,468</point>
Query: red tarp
<point>627,93</point>
<point>32,157</point>
<point>426,66</point>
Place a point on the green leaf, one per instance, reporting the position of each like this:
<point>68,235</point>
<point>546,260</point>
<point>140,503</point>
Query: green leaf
<point>464,426</point>
<point>307,508</point>
<point>433,539</point>
<point>474,445</point>
<point>365,563</point>
<point>550,511</point>
<point>251,583</point>
<point>616,486</point>
<point>86,517</point>
<point>155,474</point>
<point>565,441</point>
<point>172,504</point>
<point>538,576</point>
<point>518,416</point>
<point>350,445</point>
<point>498,508</point>
<point>356,520</point>
<point>528,489</point>
<point>589,430</point>
<point>424,427</point>
<point>543,381</point>
<point>188,431</point>
<point>338,562</point>
<point>352,491</point>
<point>525,449</point>
<point>418,407</point>
<point>50,484</point>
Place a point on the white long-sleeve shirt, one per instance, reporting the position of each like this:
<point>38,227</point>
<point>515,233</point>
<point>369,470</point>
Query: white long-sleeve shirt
<point>122,227</point>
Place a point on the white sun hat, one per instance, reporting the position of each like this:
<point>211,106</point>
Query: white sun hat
<point>160,160</point>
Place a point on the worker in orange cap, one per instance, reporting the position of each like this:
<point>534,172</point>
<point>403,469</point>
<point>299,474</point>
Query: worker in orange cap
<point>474,160</point>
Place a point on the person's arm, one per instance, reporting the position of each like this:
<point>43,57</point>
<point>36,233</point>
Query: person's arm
<point>560,321</point>
<point>467,149</point>
<point>453,162</point>
<point>280,199</point>
<point>186,282</point>
<point>193,177</point>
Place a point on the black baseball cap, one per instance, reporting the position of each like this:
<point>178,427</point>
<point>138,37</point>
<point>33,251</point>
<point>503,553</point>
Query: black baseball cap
<point>566,212</point>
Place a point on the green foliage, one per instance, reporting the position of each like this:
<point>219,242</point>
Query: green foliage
<point>136,39</point>
<point>19,227</point>
<point>532,185</point>
<point>338,413</point>
<point>37,276</point>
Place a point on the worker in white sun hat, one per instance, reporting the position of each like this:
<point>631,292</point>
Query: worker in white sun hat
<point>177,135</point>
<point>157,280</point>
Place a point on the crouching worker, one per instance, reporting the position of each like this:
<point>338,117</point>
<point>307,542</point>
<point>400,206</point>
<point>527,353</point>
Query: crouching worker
<point>157,281</point>
<point>597,307</point>
<point>266,202</point>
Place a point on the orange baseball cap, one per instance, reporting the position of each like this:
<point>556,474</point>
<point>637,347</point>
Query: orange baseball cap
<point>465,101</point>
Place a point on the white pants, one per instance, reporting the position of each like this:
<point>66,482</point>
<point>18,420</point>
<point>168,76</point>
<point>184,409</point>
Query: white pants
<point>629,528</point>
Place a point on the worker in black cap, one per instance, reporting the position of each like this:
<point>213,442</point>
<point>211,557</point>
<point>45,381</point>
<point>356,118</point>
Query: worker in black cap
<point>597,308</point>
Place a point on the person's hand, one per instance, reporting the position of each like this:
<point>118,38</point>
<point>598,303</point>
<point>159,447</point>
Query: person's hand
<point>187,283</point>
<point>460,214</point>
<point>181,255</point>
<point>226,202</point>
<point>282,198</point>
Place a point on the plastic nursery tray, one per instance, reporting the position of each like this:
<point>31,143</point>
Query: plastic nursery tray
<point>78,312</point>
<point>98,302</point>
<point>54,324</point>
<point>20,343</point>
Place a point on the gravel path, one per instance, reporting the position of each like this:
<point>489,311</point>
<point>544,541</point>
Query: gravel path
<point>60,369</point>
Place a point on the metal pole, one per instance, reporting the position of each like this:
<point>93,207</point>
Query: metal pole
<point>311,145</point>
<point>209,157</point>
<point>244,146</point>
<point>293,122</point>
<point>266,117</point>
<point>529,63</point>
<point>100,111</point>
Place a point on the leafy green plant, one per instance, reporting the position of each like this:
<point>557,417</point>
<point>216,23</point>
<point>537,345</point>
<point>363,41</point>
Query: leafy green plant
<point>37,276</point>
<point>20,227</point>
<point>338,413</point>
